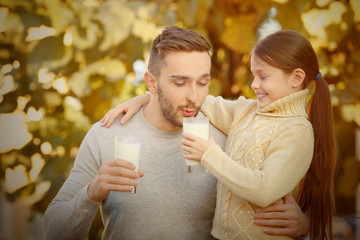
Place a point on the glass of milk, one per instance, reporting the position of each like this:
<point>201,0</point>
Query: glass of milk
<point>127,148</point>
<point>198,126</point>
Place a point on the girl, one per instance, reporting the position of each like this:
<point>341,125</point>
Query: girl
<point>271,143</point>
<point>274,144</point>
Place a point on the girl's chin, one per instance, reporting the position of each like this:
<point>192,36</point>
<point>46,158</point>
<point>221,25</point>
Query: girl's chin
<point>261,104</point>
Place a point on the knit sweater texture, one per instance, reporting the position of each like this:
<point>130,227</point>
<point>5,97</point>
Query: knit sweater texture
<point>169,202</point>
<point>267,153</point>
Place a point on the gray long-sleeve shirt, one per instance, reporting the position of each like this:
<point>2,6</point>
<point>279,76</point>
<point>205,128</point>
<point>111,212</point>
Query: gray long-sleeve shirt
<point>169,202</point>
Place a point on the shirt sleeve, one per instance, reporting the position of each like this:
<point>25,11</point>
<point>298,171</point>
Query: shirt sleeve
<point>286,162</point>
<point>221,112</point>
<point>70,214</point>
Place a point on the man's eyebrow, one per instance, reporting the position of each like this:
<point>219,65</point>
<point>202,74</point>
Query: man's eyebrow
<point>205,75</point>
<point>184,77</point>
<point>178,76</point>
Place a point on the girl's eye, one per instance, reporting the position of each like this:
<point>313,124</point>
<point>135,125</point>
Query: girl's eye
<point>263,77</point>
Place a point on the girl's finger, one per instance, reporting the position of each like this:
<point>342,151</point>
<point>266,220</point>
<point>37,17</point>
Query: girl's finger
<point>117,112</point>
<point>103,119</point>
<point>127,116</point>
<point>187,155</point>
<point>188,136</point>
<point>113,116</point>
<point>187,142</point>
<point>187,149</point>
<point>106,117</point>
<point>110,122</point>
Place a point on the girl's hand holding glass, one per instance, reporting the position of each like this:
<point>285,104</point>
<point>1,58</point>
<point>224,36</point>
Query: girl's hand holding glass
<point>194,147</point>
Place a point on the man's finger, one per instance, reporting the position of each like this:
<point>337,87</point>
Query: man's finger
<point>273,208</point>
<point>273,223</point>
<point>120,188</point>
<point>272,215</point>
<point>116,180</point>
<point>289,198</point>
<point>121,163</point>
<point>278,231</point>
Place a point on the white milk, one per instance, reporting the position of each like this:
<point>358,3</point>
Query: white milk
<point>198,127</point>
<point>127,148</point>
<point>129,152</point>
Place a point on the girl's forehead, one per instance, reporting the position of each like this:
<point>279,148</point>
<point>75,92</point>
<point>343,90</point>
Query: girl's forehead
<point>257,64</point>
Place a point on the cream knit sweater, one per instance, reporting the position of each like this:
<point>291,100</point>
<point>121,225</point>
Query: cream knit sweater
<point>268,152</point>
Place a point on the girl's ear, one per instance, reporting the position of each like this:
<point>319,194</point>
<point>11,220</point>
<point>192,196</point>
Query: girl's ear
<point>298,77</point>
<point>150,82</point>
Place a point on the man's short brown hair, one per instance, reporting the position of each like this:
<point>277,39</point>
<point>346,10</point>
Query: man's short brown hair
<point>174,39</point>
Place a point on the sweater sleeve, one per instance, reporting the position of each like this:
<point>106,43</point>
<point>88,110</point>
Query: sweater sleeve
<point>286,162</point>
<point>70,214</point>
<point>221,112</point>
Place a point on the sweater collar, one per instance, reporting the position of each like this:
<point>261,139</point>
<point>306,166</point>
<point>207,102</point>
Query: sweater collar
<point>293,105</point>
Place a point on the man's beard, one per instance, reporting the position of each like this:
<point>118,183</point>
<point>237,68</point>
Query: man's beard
<point>168,111</point>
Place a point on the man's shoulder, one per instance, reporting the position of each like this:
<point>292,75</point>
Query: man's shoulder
<point>116,126</point>
<point>98,129</point>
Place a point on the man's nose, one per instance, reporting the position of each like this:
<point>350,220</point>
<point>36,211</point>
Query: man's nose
<point>192,95</point>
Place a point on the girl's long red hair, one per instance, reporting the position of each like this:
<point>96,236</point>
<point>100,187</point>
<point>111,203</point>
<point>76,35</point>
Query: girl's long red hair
<point>289,50</point>
<point>316,190</point>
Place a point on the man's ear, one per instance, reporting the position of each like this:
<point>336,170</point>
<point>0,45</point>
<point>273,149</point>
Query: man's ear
<point>150,82</point>
<point>298,77</point>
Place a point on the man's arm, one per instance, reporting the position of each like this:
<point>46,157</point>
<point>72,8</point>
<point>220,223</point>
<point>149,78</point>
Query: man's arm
<point>283,219</point>
<point>70,214</point>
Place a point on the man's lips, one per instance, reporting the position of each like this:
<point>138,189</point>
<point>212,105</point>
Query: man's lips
<point>188,113</point>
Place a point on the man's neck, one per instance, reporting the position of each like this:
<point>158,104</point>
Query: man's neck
<point>153,115</point>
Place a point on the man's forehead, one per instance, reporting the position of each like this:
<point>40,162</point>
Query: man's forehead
<point>180,63</point>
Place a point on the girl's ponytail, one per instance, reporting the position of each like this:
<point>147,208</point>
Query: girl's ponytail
<point>316,190</point>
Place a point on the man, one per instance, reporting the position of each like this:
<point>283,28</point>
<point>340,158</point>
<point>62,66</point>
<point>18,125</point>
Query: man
<point>169,202</point>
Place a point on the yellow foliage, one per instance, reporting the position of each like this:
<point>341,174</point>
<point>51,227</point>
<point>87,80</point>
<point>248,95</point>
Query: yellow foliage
<point>239,33</point>
<point>316,20</point>
<point>351,112</point>
<point>356,8</point>
<point>112,69</point>
<point>15,178</point>
<point>13,131</point>
<point>73,113</point>
<point>147,31</point>
<point>117,20</point>
<point>59,14</point>
<point>37,33</point>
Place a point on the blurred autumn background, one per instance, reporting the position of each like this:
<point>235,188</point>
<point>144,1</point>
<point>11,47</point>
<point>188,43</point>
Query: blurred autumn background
<point>65,63</point>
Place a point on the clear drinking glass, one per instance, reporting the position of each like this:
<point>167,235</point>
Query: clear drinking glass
<point>127,148</point>
<point>198,126</point>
